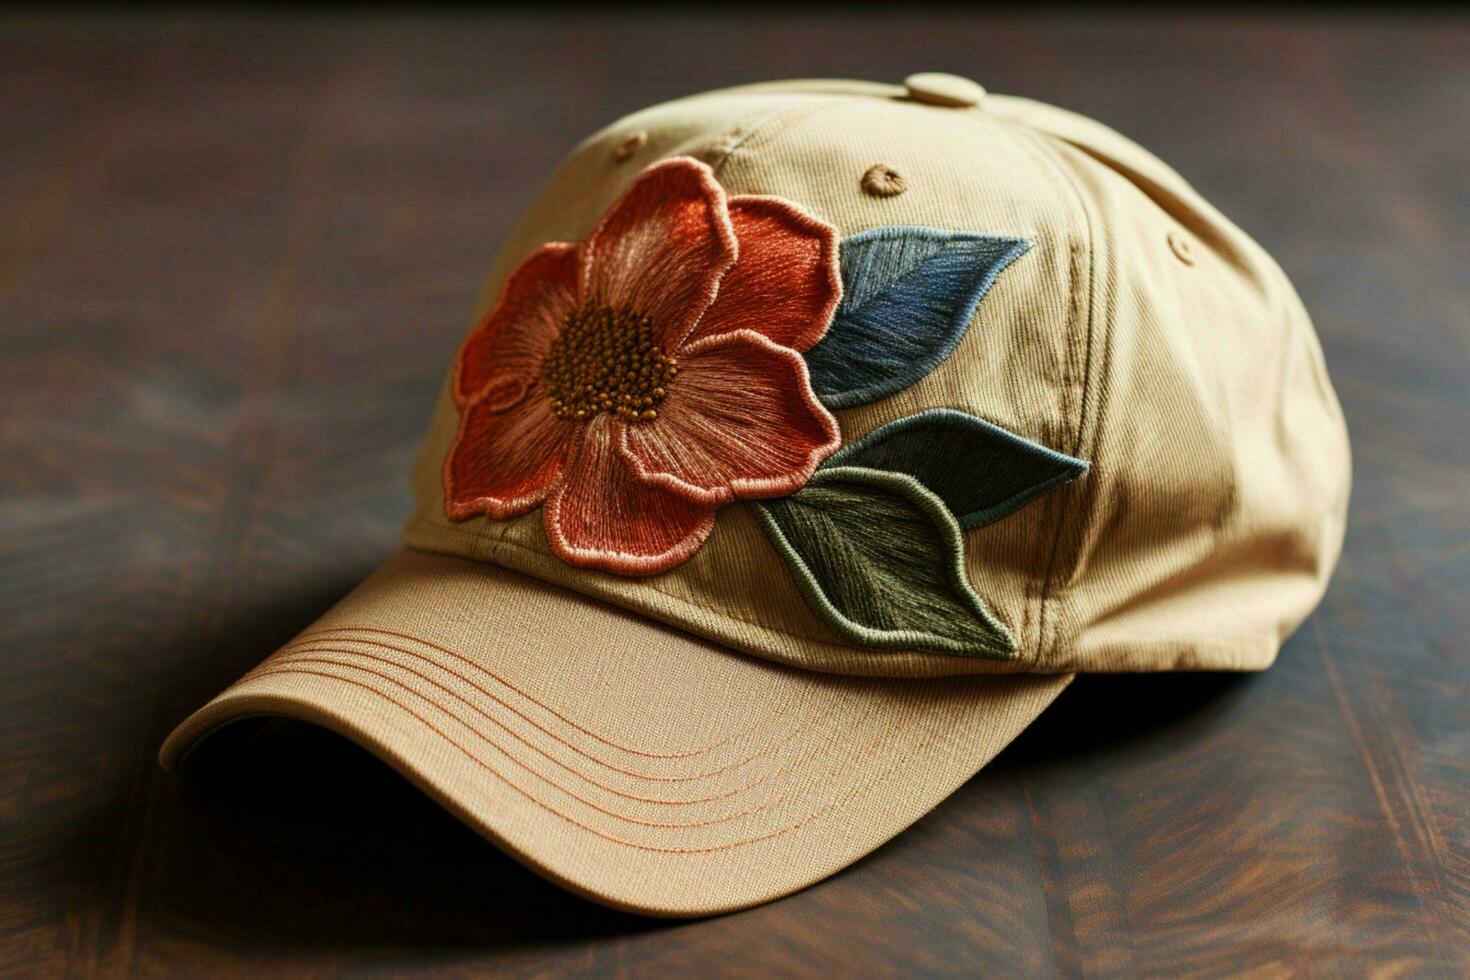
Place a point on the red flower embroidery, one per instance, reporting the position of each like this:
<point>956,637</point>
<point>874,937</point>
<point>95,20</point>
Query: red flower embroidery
<point>638,380</point>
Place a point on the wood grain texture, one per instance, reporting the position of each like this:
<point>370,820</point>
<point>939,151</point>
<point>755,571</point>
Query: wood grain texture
<point>235,258</point>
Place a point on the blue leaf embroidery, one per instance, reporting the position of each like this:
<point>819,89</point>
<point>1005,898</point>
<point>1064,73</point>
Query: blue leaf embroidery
<point>908,296</point>
<point>981,471</point>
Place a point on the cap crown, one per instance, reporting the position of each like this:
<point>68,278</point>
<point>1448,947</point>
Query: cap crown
<point>1140,332</point>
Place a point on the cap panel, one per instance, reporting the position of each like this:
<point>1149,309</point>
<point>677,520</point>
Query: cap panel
<point>1017,366</point>
<point>1021,364</point>
<point>1141,332</point>
<point>699,593</point>
<point>1217,498</point>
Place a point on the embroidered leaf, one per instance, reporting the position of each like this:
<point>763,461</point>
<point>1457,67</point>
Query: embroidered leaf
<point>980,471</point>
<point>881,560</point>
<point>908,296</point>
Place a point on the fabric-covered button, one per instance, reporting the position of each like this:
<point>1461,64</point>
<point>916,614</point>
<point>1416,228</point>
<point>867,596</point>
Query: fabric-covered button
<point>939,88</point>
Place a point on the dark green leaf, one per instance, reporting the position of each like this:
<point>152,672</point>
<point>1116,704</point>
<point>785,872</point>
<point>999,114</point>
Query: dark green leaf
<point>980,471</point>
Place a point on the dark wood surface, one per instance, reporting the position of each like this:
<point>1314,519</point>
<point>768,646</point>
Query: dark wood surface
<point>235,258</point>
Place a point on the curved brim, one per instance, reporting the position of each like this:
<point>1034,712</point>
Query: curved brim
<point>630,762</point>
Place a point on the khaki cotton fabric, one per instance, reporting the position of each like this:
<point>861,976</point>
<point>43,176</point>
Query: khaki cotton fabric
<point>623,747</point>
<point>1215,506</point>
<point>630,762</point>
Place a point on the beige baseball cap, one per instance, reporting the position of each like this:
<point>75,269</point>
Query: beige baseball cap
<point>809,438</point>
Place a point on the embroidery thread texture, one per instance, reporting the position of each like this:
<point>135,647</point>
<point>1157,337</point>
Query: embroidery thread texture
<point>909,294</point>
<point>632,383</point>
<point>881,560</point>
<point>981,471</point>
<point>680,389</point>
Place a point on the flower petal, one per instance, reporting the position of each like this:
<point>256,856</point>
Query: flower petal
<point>599,516</point>
<point>519,329</point>
<point>504,461</point>
<point>662,248</point>
<point>787,281</point>
<point>739,422</point>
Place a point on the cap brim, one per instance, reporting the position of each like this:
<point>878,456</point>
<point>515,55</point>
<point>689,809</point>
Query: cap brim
<point>635,764</point>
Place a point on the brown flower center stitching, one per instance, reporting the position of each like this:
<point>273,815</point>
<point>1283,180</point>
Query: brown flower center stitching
<point>605,360</point>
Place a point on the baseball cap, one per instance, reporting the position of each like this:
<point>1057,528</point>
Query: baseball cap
<point>808,440</point>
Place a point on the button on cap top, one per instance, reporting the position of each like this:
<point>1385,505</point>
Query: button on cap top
<point>939,88</point>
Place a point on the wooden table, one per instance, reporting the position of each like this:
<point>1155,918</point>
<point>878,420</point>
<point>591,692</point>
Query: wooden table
<point>235,258</point>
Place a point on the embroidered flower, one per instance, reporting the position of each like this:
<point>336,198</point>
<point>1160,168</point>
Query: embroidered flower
<point>638,380</point>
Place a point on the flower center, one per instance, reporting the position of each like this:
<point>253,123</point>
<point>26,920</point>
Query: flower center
<point>605,360</point>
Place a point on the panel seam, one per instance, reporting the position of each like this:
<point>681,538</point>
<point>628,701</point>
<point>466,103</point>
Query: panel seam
<point>1048,599</point>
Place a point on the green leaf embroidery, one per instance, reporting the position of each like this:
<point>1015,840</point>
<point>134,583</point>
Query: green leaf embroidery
<point>881,559</point>
<point>981,471</point>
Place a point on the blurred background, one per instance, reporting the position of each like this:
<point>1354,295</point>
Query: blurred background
<point>237,251</point>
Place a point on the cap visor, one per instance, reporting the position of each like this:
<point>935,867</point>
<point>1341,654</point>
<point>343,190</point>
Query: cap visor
<point>632,763</point>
